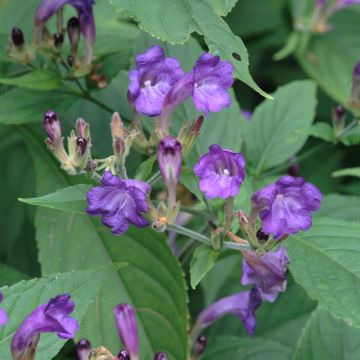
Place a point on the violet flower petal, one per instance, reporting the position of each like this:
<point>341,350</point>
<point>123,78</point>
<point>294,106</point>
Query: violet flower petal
<point>3,316</point>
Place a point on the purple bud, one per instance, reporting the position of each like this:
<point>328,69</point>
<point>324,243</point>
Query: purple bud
<point>82,128</point>
<point>261,236</point>
<point>52,125</point>
<point>81,145</point>
<point>294,167</point>
<point>196,126</point>
<point>201,344</point>
<point>356,71</point>
<point>247,114</point>
<point>3,315</point>
<point>83,348</point>
<point>71,60</point>
<point>160,356</point>
<point>58,39</point>
<point>170,162</point>
<point>50,317</point>
<point>338,117</point>
<point>17,37</point>
<point>73,28</point>
<point>127,327</point>
<point>123,355</point>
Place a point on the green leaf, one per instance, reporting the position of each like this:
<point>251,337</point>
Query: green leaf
<point>322,130</point>
<point>347,172</point>
<point>237,348</point>
<point>9,276</point>
<point>21,299</point>
<point>153,282</point>
<point>352,137</point>
<point>190,181</point>
<point>332,70</point>
<point>174,20</point>
<point>343,207</point>
<point>20,106</point>
<point>145,168</point>
<point>325,337</point>
<point>71,199</point>
<point>36,80</point>
<point>203,260</point>
<point>325,262</point>
<point>274,133</point>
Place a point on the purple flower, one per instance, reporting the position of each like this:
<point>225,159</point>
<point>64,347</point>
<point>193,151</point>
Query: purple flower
<point>151,80</point>
<point>355,88</point>
<point>83,348</point>
<point>50,317</point>
<point>48,8</point>
<point>285,207</point>
<point>243,305</point>
<point>127,327</point>
<point>170,162</point>
<point>221,172</point>
<point>3,315</point>
<point>247,114</point>
<point>267,273</point>
<point>123,355</point>
<point>160,356</point>
<point>344,3</point>
<point>120,202</point>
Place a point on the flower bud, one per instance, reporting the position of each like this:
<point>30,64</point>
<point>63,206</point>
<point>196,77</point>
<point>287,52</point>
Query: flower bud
<point>17,37</point>
<point>52,125</point>
<point>71,60</point>
<point>73,28</point>
<point>189,133</point>
<point>58,39</point>
<point>170,162</point>
<point>101,353</point>
<point>338,118</point>
<point>261,236</point>
<point>123,355</point>
<point>160,356</point>
<point>82,128</point>
<point>355,89</point>
<point>201,344</point>
<point>83,348</point>
<point>81,145</point>
<point>117,126</point>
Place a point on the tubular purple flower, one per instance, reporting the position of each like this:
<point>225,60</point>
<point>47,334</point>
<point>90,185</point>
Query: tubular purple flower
<point>267,273</point>
<point>127,327</point>
<point>242,304</point>
<point>123,355</point>
<point>221,172</point>
<point>120,202</point>
<point>3,315</point>
<point>73,30</point>
<point>83,348</point>
<point>50,317</point>
<point>151,80</point>
<point>160,356</point>
<point>285,207</point>
<point>170,162</point>
<point>52,125</point>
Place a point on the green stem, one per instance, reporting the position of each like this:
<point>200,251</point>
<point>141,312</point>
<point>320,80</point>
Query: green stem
<point>155,178</point>
<point>193,211</point>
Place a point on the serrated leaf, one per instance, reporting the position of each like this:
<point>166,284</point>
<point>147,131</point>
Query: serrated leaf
<point>322,130</point>
<point>325,337</point>
<point>174,20</point>
<point>274,133</point>
<point>36,80</point>
<point>153,282</point>
<point>71,199</point>
<point>145,168</point>
<point>237,348</point>
<point>21,299</point>
<point>325,262</point>
<point>203,260</point>
<point>347,172</point>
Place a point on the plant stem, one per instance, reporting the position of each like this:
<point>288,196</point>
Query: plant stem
<point>155,178</point>
<point>193,211</point>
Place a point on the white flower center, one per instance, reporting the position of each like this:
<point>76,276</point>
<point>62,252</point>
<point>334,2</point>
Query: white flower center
<point>226,172</point>
<point>147,83</point>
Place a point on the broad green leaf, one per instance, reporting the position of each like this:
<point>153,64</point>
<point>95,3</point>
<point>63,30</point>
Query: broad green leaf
<point>237,348</point>
<point>322,130</point>
<point>325,262</point>
<point>342,207</point>
<point>22,298</point>
<point>352,137</point>
<point>153,282</point>
<point>190,181</point>
<point>36,80</point>
<point>325,337</point>
<point>347,172</point>
<point>203,260</point>
<point>276,130</point>
<point>222,7</point>
<point>145,168</point>
<point>20,106</point>
<point>71,199</point>
<point>332,70</point>
<point>9,276</point>
<point>174,20</point>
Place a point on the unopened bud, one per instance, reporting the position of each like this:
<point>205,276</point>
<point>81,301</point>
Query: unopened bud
<point>196,126</point>
<point>338,118</point>
<point>17,37</point>
<point>71,60</point>
<point>160,356</point>
<point>123,355</point>
<point>81,145</point>
<point>117,126</point>
<point>58,39</point>
<point>52,125</point>
<point>119,146</point>
<point>261,236</point>
<point>82,128</point>
<point>73,28</point>
<point>83,348</point>
<point>201,344</point>
<point>355,89</point>
<point>294,167</point>
<point>101,353</point>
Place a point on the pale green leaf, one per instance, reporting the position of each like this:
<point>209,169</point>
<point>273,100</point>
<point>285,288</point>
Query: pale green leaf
<point>347,172</point>
<point>322,130</point>
<point>145,168</point>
